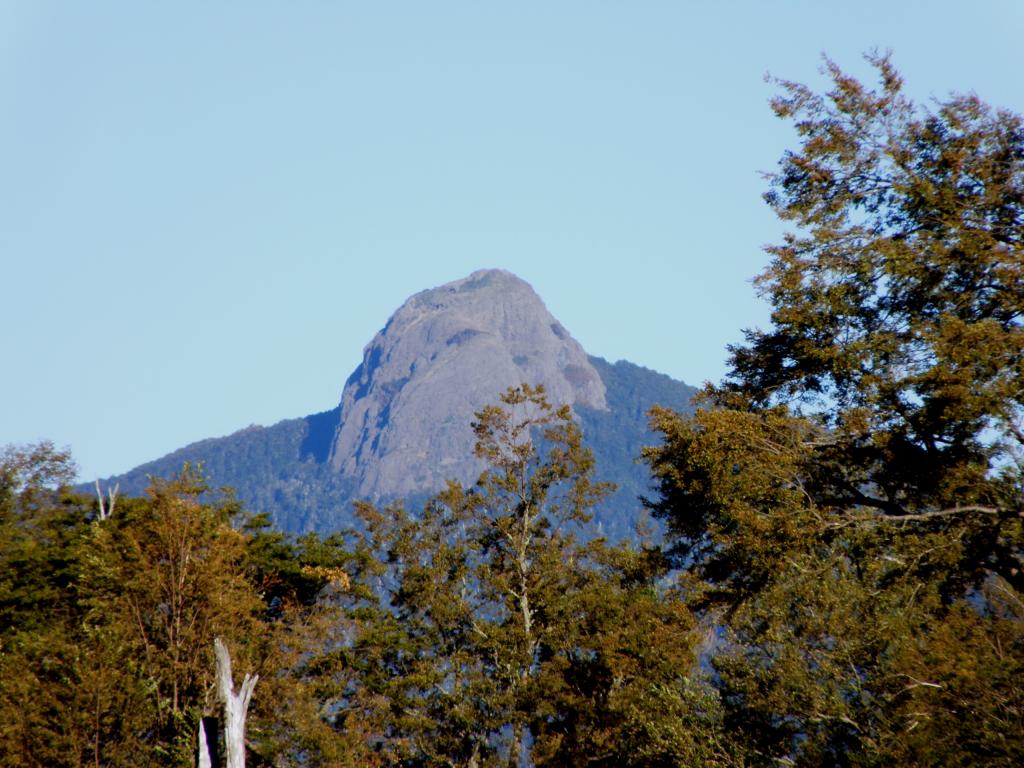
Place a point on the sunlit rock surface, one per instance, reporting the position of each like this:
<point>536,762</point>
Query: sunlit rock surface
<point>441,357</point>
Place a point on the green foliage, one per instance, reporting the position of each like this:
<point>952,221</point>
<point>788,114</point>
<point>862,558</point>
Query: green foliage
<point>160,580</point>
<point>41,686</point>
<point>107,625</point>
<point>897,306</point>
<point>500,637</point>
<point>620,686</point>
<point>849,502</point>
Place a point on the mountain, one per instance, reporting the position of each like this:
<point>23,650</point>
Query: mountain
<point>445,353</point>
<point>403,425</point>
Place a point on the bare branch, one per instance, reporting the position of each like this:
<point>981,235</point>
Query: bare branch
<point>918,683</point>
<point>99,497</point>
<point>105,511</point>
<point>945,513</point>
<point>917,517</point>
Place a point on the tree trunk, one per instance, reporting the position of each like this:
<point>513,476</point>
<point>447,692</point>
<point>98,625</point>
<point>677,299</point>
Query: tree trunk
<point>236,706</point>
<point>207,757</point>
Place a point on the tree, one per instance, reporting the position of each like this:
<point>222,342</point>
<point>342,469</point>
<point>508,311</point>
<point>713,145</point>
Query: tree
<point>849,501</point>
<point>179,575</point>
<point>502,639</point>
<point>478,579</point>
<point>306,715</point>
<point>161,580</point>
<point>44,712</point>
<point>620,685</point>
<point>37,534</point>
<point>107,620</point>
<point>898,306</point>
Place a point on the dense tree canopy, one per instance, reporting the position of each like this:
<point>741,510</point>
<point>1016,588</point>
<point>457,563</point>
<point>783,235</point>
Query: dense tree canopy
<point>898,304</point>
<point>502,639</point>
<point>107,623</point>
<point>849,502</point>
<point>480,630</point>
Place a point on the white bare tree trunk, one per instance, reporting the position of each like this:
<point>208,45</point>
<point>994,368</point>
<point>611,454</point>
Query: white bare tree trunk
<point>236,705</point>
<point>106,512</point>
<point>205,755</point>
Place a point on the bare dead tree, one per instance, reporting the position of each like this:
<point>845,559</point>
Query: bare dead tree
<point>236,705</point>
<point>105,511</point>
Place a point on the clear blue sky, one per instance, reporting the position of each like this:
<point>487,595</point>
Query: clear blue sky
<point>208,209</point>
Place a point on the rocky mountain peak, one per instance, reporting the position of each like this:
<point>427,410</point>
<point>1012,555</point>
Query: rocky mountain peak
<point>447,352</point>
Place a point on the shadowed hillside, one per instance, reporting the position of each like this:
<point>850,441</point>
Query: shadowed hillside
<point>283,469</point>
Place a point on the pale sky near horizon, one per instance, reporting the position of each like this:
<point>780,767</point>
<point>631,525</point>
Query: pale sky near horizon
<point>208,209</point>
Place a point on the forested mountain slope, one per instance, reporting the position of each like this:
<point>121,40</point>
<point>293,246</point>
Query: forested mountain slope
<point>404,423</point>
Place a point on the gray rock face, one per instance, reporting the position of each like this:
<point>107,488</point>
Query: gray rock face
<point>447,352</point>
